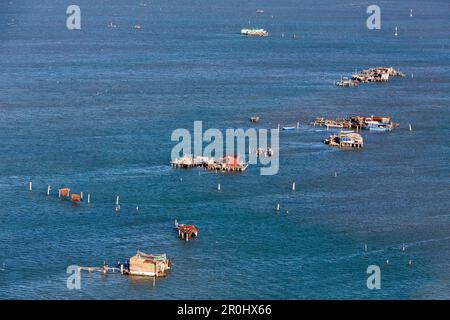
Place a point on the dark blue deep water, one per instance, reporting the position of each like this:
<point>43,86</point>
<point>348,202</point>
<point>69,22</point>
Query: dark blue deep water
<point>94,109</point>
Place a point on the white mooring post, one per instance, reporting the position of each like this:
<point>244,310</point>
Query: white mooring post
<point>218,187</point>
<point>89,198</point>
<point>117,204</point>
<point>81,195</point>
<point>278,207</point>
<point>30,186</point>
<point>49,188</point>
<point>293,186</point>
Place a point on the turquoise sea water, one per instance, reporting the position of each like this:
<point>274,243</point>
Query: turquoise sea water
<point>94,110</point>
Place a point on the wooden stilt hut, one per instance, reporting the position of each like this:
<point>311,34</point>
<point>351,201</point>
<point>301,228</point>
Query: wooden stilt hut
<point>153,265</point>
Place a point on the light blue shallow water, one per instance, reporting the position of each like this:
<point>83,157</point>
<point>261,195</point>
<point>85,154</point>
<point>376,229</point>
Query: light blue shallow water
<point>94,110</point>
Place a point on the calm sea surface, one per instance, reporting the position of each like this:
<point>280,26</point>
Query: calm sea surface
<point>94,110</point>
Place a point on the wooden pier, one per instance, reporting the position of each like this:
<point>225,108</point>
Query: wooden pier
<point>357,123</point>
<point>227,163</point>
<point>227,167</point>
<point>333,123</point>
<point>141,264</point>
<point>346,140</point>
<point>377,74</point>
